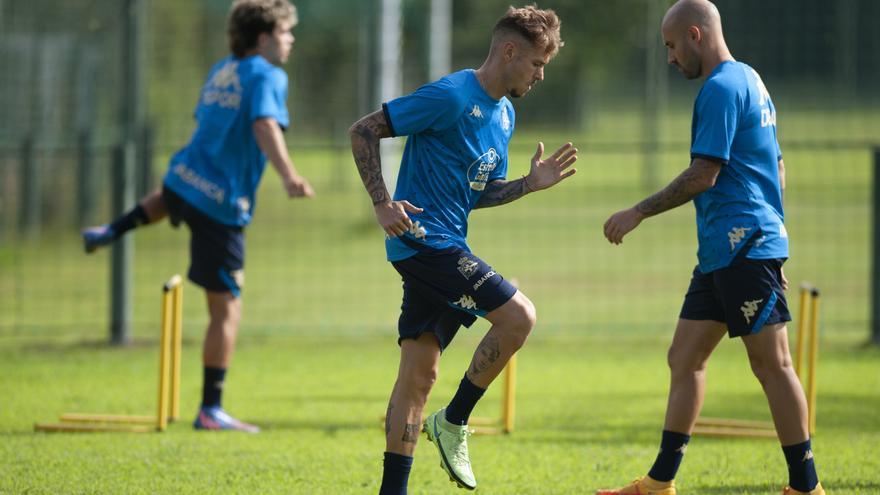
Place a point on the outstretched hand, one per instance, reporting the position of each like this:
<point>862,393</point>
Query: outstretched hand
<point>392,216</point>
<point>553,170</point>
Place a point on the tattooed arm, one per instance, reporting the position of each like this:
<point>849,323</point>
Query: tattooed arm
<point>697,178</point>
<point>543,174</point>
<point>365,135</point>
<point>499,192</point>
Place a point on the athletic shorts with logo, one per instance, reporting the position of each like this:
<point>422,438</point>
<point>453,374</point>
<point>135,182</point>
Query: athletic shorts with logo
<point>746,296</point>
<point>444,289</point>
<point>216,250</point>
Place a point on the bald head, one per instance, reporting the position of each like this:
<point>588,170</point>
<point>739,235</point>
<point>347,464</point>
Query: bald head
<point>700,13</point>
<point>692,33</point>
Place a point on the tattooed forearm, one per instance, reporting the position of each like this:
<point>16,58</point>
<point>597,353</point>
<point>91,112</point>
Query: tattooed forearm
<point>411,433</point>
<point>694,180</point>
<point>499,192</point>
<point>487,353</point>
<point>365,135</point>
<point>388,419</point>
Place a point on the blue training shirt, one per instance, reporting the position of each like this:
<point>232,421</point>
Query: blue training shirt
<point>458,138</point>
<point>735,123</point>
<point>219,170</point>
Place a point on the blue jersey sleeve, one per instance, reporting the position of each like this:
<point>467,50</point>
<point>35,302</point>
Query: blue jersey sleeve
<point>717,109</point>
<point>269,98</point>
<point>433,107</point>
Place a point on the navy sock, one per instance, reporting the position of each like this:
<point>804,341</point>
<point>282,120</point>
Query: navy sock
<point>459,409</point>
<point>672,448</point>
<point>395,474</point>
<point>212,387</point>
<point>134,218</point>
<point>801,468</point>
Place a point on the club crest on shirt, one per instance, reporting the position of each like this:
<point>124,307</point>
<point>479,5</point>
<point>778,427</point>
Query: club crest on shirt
<point>479,171</point>
<point>505,119</point>
<point>467,267</point>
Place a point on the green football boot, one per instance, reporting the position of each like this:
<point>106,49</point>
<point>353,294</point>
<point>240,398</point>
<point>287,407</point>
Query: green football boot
<point>451,442</point>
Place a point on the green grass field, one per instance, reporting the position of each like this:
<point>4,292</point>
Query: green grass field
<point>317,354</point>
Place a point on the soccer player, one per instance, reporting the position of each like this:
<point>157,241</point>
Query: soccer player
<point>455,160</point>
<point>736,179</point>
<point>211,183</point>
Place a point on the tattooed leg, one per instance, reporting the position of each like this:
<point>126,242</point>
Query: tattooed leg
<point>418,370</point>
<point>511,325</point>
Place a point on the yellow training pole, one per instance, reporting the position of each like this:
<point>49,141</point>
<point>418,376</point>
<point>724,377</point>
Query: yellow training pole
<point>164,361</point>
<point>814,354</point>
<point>508,399</point>
<point>801,329</point>
<point>176,344</point>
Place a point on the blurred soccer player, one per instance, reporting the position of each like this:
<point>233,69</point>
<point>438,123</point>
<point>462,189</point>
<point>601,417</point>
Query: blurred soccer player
<point>211,183</point>
<point>455,160</point>
<point>736,179</point>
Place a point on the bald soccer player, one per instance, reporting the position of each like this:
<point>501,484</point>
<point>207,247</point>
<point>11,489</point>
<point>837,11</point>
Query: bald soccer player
<point>736,178</point>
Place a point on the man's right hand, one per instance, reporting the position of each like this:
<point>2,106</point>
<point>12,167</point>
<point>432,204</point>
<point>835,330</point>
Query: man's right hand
<point>298,187</point>
<point>392,216</point>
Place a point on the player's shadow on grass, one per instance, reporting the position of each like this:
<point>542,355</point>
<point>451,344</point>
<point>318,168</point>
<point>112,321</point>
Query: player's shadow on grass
<point>328,427</point>
<point>869,487</point>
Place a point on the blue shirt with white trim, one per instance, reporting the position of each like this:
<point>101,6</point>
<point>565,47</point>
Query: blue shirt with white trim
<point>458,137</point>
<point>219,170</point>
<point>734,123</point>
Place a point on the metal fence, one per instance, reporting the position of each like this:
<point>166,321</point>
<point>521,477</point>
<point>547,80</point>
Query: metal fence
<point>319,265</point>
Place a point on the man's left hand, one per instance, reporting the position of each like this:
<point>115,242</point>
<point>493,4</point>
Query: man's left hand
<point>549,172</point>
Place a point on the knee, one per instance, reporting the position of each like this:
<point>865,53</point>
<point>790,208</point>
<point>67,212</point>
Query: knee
<point>418,383</point>
<point>681,361</point>
<point>524,320</point>
<point>766,368</point>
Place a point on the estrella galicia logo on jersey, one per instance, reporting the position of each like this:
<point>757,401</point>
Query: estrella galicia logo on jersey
<point>478,172</point>
<point>749,308</point>
<point>466,302</point>
<point>224,88</point>
<point>505,119</point>
<point>735,236</point>
<point>476,112</point>
<point>467,267</point>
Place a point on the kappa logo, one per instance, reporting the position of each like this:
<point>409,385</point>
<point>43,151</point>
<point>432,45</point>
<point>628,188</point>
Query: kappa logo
<point>224,88</point>
<point>749,308</point>
<point>238,277</point>
<point>417,230</point>
<point>505,119</point>
<point>466,302</point>
<point>479,283</point>
<point>807,456</point>
<point>476,112</point>
<point>681,450</point>
<point>467,267</point>
<point>736,235</point>
<point>244,204</point>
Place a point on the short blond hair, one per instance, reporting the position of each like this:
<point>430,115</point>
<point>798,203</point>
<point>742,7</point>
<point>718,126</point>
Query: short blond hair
<point>250,18</point>
<point>539,27</point>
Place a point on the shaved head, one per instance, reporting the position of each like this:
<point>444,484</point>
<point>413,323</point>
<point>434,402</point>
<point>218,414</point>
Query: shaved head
<point>700,13</point>
<point>692,33</point>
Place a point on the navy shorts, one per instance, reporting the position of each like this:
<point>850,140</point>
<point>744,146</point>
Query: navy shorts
<point>216,250</point>
<point>746,296</point>
<point>444,289</point>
